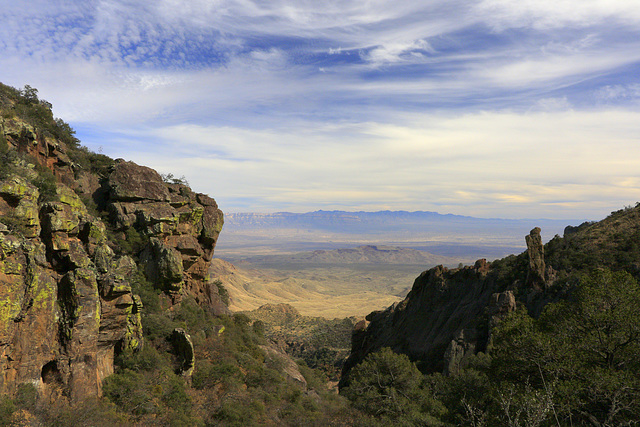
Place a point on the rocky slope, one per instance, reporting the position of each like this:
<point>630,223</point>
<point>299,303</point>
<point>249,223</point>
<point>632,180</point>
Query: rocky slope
<point>74,240</point>
<point>449,313</point>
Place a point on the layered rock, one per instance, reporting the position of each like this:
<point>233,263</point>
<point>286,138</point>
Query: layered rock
<point>43,148</point>
<point>182,228</point>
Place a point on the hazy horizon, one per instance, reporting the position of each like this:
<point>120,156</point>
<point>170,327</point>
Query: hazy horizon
<point>485,108</point>
<point>399,210</point>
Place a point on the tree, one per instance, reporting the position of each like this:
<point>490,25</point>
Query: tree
<point>389,385</point>
<point>29,95</point>
<point>584,351</point>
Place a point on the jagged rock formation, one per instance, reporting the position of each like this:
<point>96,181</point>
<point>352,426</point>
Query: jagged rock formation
<point>535,250</point>
<point>66,300</point>
<point>183,347</point>
<point>66,303</point>
<point>448,314</point>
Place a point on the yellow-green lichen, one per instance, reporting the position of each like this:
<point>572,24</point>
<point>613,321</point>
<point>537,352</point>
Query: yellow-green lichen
<point>121,287</point>
<point>11,298</point>
<point>10,268</point>
<point>69,197</point>
<point>133,334</point>
<point>194,216</point>
<point>45,294</point>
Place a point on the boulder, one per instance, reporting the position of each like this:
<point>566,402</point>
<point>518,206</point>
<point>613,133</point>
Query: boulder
<point>129,182</point>
<point>183,348</point>
<point>163,265</point>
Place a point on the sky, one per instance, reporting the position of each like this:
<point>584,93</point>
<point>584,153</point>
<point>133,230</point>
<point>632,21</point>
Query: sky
<point>487,108</point>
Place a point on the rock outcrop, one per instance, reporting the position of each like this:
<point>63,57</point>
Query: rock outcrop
<point>183,349</point>
<point>66,301</point>
<point>182,228</point>
<point>535,249</point>
<point>449,313</point>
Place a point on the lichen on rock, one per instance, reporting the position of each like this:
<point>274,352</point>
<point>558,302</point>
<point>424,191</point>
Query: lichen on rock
<point>66,301</point>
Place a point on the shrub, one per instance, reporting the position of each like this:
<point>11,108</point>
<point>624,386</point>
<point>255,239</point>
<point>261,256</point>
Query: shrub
<point>130,393</point>
<point>388,385</point>
<point>7,408</point>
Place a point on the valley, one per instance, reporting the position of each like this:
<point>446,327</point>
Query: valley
<point>316,289</point>
<point>341,264</point>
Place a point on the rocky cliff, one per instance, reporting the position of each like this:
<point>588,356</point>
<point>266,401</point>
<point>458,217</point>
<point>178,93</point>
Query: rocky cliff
<point>449,313</point>
<point>74,235</point>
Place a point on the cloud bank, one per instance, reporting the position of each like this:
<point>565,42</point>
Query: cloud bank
<point>487,108</point>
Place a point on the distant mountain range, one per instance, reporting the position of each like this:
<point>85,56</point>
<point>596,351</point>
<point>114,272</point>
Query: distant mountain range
<point>380,222</point>
<point>442,234</point>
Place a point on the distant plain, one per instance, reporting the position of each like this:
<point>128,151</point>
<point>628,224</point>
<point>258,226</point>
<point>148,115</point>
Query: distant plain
<point>337,264</point>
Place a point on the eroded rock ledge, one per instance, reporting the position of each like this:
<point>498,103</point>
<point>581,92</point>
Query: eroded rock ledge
<point>66,304</point>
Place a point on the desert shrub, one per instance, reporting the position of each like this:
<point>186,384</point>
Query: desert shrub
<point>149,294</point>
<point>157,326</point>
<point>4,145</point>
<point>26,396</point>
<point>129,392</point>
<point>169,178</point>
<point>241,319</point>
<point>207,374</point>
<point>581,355</point>
<point>174,395</point>
<point>236,411</point>
<point>389,386</point>
<point>88,412</point>
<point>263,377</point>
<point>146,359</point>
<point>46,183</point>
<point>133,243</point>
<point>192,317</point>
<point>258,328</point>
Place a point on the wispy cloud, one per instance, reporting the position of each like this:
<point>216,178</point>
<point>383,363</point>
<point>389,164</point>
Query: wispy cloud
<point>486,107</point>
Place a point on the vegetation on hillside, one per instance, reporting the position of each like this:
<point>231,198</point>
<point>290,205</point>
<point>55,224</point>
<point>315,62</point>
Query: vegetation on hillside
<point>577,364</point>
<point>321,343</point>
<point>236,380</point>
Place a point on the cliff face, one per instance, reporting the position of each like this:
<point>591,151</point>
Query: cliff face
<point>444,319</point>
<point>66,302</point>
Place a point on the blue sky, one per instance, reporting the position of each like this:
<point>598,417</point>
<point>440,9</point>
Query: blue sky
<point>489,108</point>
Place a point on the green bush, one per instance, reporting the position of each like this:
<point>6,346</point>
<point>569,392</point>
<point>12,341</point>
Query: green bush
<point>46,183</point>
<point>7,408</point>
<point>146,359</point>
<point>157,326</point>
<point>583,353</point>
<point>208,374</point>
<point>26,396</point>
<point>130,393</point>
<point>389,386</point>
